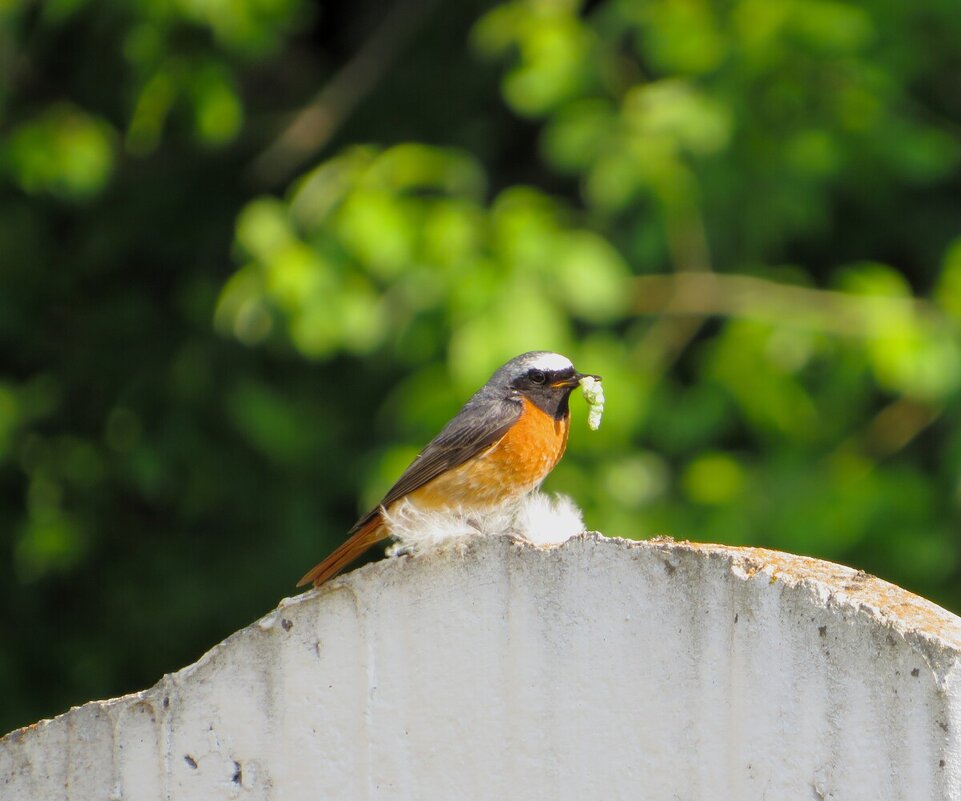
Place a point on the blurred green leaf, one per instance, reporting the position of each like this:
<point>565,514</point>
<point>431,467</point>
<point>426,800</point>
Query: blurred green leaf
<point>51,542</point>
<point>948,290</point>
<point>552,49</point>
<point>766,389</point>
<point>635,480</point>
<point>714,478</point>
<point>217,107</point>
<point>681,37</point>
<point>909,354</point>
<point>592,278</point>
<point>377,228</point>
<point>831,27</point>
<point>272,424</point>
<point>576,136</point>
<point>63,152</point>
<point>9,419</point>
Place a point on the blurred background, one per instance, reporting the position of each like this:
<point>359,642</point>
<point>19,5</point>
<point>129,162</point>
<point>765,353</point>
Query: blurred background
<point>254,253</point>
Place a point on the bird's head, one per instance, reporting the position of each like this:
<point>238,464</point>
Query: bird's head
<point>546,379</point>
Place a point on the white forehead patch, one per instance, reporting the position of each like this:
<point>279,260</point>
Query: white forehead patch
<point>550,362</point>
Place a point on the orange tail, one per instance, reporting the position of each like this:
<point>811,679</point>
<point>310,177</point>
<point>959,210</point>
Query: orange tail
<point>366,537</point>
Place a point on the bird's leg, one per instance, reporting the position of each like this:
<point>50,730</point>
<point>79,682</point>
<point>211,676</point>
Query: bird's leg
<point>398,548</point>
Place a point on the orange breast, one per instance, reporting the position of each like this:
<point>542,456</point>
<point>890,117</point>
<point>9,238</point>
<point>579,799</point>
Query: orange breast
<point>512,467</point>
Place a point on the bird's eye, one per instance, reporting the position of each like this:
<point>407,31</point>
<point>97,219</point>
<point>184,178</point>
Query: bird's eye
<point>537,376</point>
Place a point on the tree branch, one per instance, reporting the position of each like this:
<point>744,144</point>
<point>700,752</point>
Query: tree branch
<point>315,124</point>
<point>706,294</point>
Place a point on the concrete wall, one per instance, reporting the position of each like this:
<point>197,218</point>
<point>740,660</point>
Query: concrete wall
<point>602,669</point>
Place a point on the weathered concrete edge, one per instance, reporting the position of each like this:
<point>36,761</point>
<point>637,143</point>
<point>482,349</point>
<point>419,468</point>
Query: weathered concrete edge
<point>931,630</point>
<point>927,628</point>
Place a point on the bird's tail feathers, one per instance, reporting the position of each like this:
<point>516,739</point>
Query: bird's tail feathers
<point>363,540</point>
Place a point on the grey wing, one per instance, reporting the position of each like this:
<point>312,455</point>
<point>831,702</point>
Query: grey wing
<point>465,436</point>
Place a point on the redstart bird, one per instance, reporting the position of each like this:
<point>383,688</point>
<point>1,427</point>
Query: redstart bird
<point>495,450</point>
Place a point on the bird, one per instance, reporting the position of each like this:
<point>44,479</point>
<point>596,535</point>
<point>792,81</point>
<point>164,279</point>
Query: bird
<point>497,449</point>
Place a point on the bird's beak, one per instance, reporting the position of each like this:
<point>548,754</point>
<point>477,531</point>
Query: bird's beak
<point>574,380</point>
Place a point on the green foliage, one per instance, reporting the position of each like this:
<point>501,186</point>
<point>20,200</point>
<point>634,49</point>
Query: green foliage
<point>742,214</point>
<point>64,152</point>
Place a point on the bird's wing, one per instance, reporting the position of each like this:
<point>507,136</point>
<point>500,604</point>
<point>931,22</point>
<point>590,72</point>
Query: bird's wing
<point>468,434</point>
